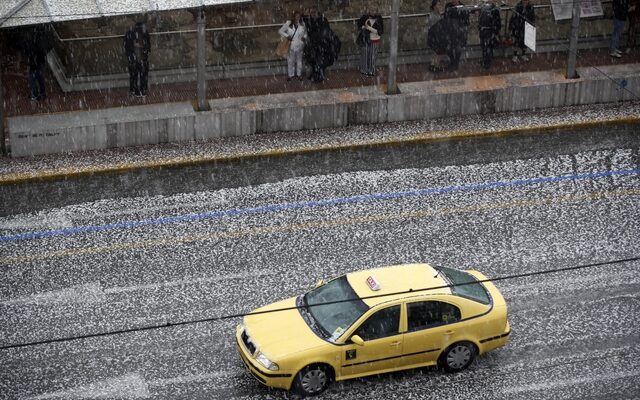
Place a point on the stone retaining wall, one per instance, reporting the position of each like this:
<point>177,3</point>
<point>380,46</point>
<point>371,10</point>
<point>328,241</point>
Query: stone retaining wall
<point>178,122</point>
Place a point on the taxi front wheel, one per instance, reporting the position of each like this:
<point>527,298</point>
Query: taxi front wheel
<point>311,380</point>
<point>458,356</point>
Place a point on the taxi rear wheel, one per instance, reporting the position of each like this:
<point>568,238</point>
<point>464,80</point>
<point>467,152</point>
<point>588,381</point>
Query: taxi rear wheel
<point>458,356</point>
<point>312,380</point>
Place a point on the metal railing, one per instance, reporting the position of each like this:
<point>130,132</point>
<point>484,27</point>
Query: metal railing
<point>248,49</point>
<point>505,9</point>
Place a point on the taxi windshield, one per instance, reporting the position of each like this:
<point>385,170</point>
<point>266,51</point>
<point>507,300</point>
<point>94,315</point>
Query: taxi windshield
<point>334,318</point>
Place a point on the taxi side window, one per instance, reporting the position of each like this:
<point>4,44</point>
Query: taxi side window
<point>383,323</point>
<point>427,314</point>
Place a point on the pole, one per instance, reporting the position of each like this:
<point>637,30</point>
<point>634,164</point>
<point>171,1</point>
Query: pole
<point>573,41</point>
<point>3,148</point>
<point>392,84</point>
<point>201,63</point>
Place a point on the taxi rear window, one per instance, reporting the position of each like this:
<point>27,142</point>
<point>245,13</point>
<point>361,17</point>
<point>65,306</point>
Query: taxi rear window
<point>465,286</point>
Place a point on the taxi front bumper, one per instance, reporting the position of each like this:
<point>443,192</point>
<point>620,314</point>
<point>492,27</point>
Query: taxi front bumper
<point>267,378</point>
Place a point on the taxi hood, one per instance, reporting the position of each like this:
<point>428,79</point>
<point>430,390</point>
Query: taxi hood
<point>278,334</point>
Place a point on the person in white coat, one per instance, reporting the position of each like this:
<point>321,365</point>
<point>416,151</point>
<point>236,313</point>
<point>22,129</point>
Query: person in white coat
<point>295,31</point>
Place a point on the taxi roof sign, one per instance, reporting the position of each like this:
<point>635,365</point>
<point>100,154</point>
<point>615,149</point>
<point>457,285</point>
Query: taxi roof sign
<point>373,283</point>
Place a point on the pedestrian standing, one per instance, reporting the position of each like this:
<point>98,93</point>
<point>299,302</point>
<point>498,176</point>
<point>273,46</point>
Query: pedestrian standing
<point>436,35</point>
<point>456,18</point>
<point>320,49</point>
<point>370,29</point>
<point>37,58</point>
<point>620,13</point>
<point>634,20</point>
<point>294,31</point>
<point>489,24</point>
<point>522,12</point>
<point>137,46</point>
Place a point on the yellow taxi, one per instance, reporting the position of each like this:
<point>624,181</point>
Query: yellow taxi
<point>373,321</point>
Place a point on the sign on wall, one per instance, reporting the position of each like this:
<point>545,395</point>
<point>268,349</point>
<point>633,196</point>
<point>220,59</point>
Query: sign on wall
<point>562,9</point>
<point>530,36</point>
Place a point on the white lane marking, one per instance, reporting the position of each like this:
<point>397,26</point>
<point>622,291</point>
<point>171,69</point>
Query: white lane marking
<point>139,211</point>
<point>569,382</point>
<point>74,215</point>
<point>185,282</point>
<point>87,293</point>
<point>55,220</point>
<point>93,292</point>
<point>130,386</point>
<point>551,283</point>
<point>192,378</point>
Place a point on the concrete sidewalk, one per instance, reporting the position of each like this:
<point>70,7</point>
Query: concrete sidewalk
<point>18,103</point>
<point>173,133</point>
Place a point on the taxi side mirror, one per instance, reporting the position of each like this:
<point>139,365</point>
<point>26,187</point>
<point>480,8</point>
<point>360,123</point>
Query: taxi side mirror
<point>320,283</point>
<point>357,340</point>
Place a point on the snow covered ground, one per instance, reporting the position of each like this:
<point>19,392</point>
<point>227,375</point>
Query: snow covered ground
<point>127,262</point>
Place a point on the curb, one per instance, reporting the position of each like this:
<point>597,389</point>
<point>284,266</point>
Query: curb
<point>420,138</point>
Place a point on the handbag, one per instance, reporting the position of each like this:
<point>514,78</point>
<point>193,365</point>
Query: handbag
<point>282,50</point>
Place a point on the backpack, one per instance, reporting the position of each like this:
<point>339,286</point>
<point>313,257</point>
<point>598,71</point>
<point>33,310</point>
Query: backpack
<point>486,17</point>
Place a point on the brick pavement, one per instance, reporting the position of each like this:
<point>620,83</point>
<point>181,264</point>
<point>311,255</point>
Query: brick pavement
<point>17,100</point>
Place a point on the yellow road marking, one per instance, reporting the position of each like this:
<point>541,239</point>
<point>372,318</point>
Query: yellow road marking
<point>176,241</point>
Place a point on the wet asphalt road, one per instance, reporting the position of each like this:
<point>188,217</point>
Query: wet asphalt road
<point>251,171</point>
<point>574,334</point>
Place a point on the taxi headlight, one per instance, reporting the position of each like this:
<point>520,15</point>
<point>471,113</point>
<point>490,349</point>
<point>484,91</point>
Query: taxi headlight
<point>265,362</point>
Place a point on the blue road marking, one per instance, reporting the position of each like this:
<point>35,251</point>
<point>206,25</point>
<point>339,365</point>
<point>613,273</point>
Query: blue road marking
<point>312,204</point>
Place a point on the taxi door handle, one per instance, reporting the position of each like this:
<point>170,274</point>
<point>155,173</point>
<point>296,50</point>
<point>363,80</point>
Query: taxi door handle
<point>395,343</point>
<point>450,332</point>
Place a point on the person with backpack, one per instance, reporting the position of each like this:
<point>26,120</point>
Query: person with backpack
<point>323,46</point>
<point>456,21</point>
<point>489,24</point>
<point>522,12</point>
<point>137,46</point>
<point>436,35</point>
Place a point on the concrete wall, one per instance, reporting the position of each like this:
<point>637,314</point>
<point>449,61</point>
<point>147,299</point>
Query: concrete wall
<point>178,122</point>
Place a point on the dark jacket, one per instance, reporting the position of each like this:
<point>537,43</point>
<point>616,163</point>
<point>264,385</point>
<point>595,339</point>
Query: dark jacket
<point>456,20</point>
<point>438,38</point>
<point>620,9</point>
<point>315,26</point>
<point>129,45</point>
<point>489,21</point>
<point>36,48</point>
<point>518,18</point>
<point>37,59</point>
<point>363,34</point>
<point>634,15</point>
<point>323,45</point>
